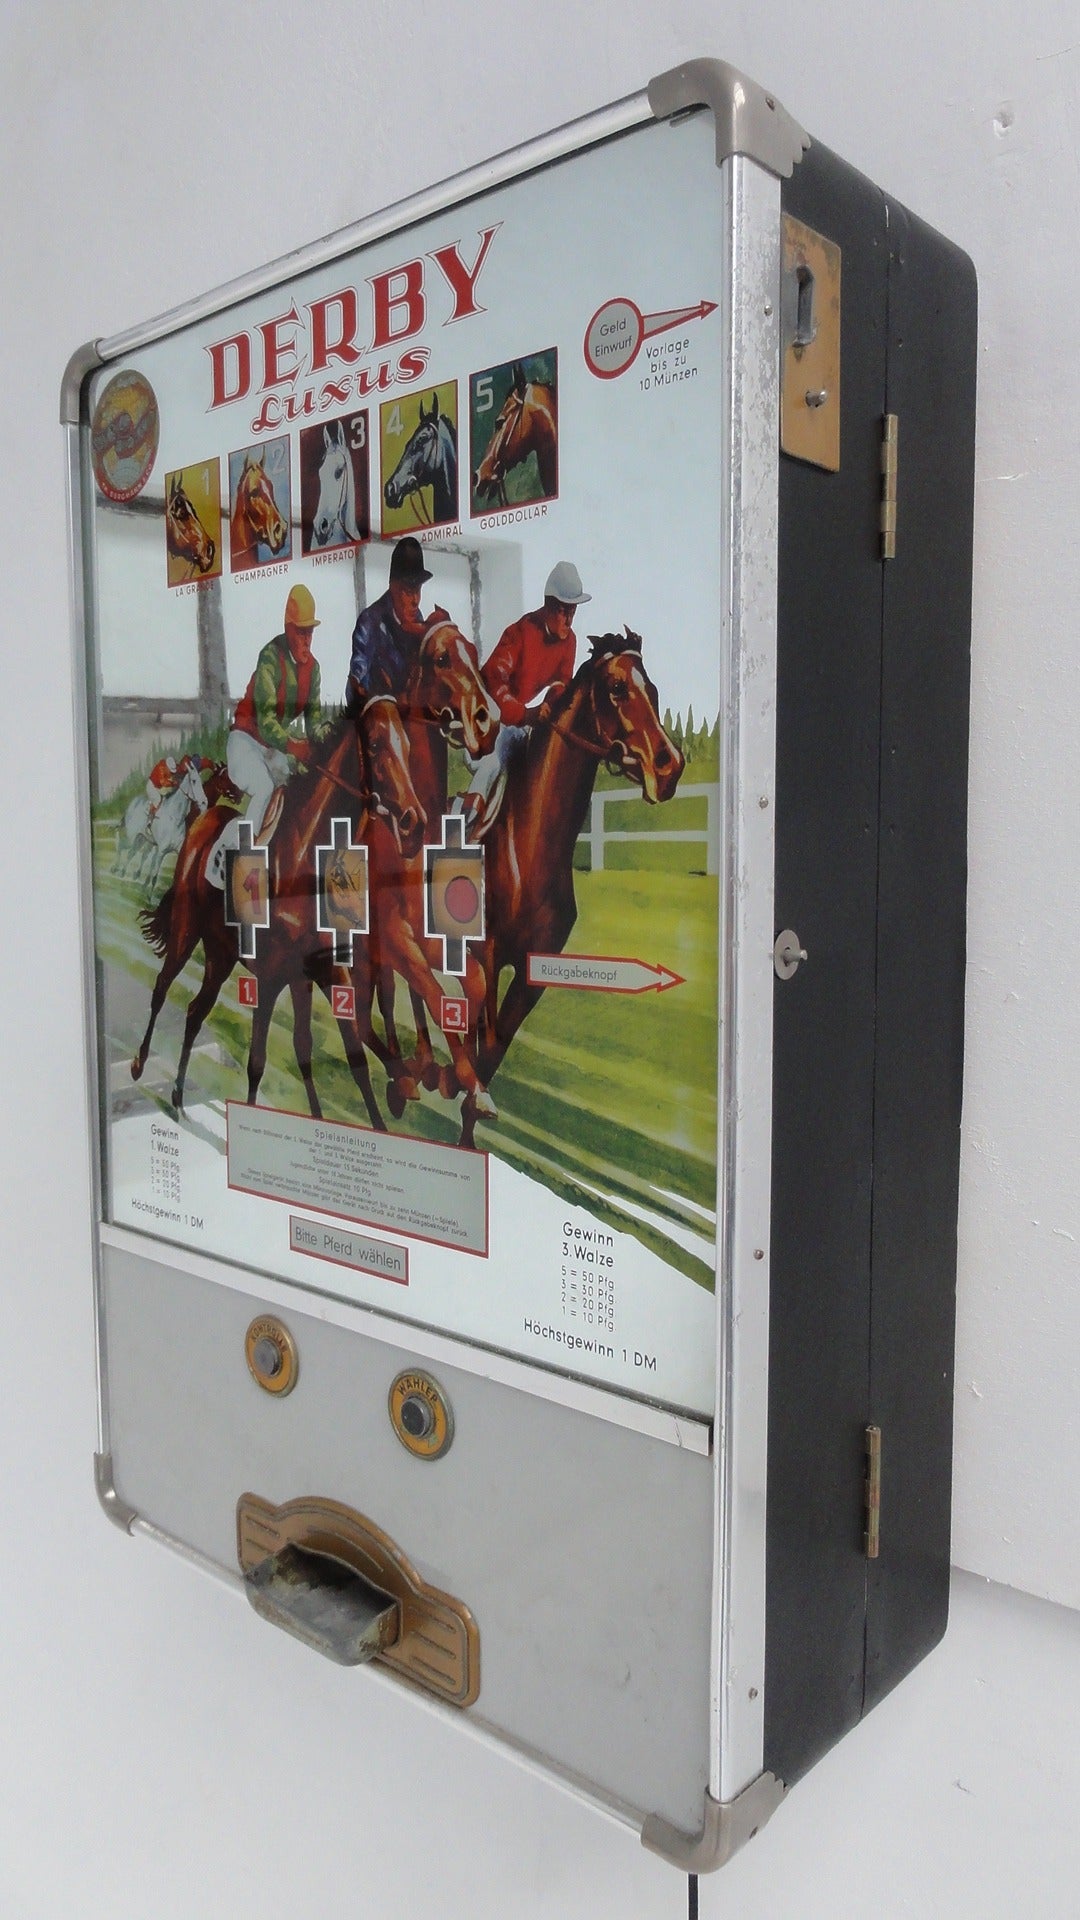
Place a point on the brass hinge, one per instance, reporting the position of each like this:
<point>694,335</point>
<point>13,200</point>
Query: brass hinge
<point>890,429</point>
<point>872,1488</point>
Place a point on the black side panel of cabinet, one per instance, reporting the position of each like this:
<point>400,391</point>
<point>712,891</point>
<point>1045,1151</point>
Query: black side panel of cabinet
<point>827,774</point>
<point>921,946</point>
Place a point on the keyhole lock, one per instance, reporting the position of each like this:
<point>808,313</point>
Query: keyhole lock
<point>788,954</point>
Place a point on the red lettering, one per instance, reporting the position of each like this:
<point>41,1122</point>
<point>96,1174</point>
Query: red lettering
<point>237,349</point>
<point>296,409</point>
<point>336,393</point>
<point>343,347</point>
<point>412,364</point>
<point>377,382</point>
<point>462,279</point>
<point>402,288</point>
<point>276,349</point>
<point>270,416</point>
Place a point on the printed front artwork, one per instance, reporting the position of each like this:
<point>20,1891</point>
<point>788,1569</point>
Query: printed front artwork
<point>193,523</point>
<point>260,505</point>
<point>334,510</point>
<point>514,429</point>
<point>419,444</point>
<point>407,831</point>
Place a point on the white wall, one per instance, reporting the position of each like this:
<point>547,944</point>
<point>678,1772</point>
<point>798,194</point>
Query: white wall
<point>160,1754</point>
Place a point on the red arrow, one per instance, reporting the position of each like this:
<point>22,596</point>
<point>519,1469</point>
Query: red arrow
<point>664,322</point>
<point>600,973</point>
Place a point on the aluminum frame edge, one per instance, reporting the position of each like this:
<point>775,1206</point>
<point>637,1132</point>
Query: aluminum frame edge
<point>726,1826</point>
<point>84,361</point>
<point>514,162</point>
<point>77,587</point>
<point>749,120</point>
<point>112,1506</point>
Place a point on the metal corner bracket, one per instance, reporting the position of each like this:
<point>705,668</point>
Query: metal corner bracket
<point>83,361</point>
<point>748,120</point>
<point>112,1506</point>
<point>727,1826</point>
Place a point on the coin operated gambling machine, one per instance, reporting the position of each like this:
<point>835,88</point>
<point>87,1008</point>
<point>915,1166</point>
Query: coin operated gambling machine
<point>524,695</point>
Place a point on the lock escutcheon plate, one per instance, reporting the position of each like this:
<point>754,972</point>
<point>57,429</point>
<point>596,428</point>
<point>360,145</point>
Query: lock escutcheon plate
<point>810,375</point>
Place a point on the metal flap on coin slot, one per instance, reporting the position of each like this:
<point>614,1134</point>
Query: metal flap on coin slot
<point>436,1644</point>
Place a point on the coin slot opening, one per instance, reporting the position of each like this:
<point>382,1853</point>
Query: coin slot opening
<point>324,1603</point>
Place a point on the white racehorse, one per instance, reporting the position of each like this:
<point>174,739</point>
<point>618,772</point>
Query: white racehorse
<point>143,843</point>
<point>334,524</point>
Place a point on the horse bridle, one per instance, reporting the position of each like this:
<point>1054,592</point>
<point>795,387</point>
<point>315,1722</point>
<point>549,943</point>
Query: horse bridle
<point>507,426</point>
<point>615,760</point>
<point>450,728</point>
<point>414,492</point>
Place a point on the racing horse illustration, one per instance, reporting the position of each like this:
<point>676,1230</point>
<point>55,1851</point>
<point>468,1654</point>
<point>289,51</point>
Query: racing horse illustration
<point>185,535</point>
<point>399,929</point>
<point>608,714</point>
<point>296,950</point>
<point>334,521</point>
<point>444,694</point>
<point>144,841</point>
<point>445,698</point>
<point>430,460</point>
<point>256,518</point>
<point>192,911</point>
<point>526,423</point>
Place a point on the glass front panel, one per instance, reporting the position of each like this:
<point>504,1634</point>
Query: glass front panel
<point>404,582</point>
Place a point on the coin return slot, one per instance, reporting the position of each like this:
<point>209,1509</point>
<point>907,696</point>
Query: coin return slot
<point>325,1604</point>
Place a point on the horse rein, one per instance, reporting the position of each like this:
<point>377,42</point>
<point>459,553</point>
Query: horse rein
<point>367,797</point>
<point>596,752</point>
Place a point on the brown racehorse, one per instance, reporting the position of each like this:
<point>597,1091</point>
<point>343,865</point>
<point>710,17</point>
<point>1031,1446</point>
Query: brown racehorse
<point>294,951</point>
<point>193,911</point>
<point>609,713</point>
<point>478,721</point>
<point>185,535</point>
<point>526,423</point>
<point>444,696</point>
<point>256,518</point>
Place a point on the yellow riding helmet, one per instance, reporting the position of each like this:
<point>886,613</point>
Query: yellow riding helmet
<point>300,609</point>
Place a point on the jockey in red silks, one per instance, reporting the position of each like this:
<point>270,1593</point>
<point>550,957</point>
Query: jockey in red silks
<point>535,656</point>
<point>163,779</point>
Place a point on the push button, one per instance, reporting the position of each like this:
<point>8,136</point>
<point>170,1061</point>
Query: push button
<point>420,1415</point>
<point>417,1417</point>
<point>271,1354</point>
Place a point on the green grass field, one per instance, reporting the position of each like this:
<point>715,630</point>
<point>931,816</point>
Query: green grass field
<point>608,1099</point>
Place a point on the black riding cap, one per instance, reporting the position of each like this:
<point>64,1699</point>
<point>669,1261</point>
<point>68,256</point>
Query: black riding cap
<point>407,562</point>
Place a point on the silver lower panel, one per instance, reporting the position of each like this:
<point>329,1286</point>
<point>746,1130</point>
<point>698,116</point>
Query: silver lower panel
<point>583,1550</point>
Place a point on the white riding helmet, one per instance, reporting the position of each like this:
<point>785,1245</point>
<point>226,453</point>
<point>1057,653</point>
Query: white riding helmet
<point>564,583</point>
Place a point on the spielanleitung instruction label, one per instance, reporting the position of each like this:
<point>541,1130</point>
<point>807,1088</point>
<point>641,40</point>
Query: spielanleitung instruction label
<point>416,1187</point>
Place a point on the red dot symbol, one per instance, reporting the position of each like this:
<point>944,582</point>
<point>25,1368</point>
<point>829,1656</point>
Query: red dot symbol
<point>462,899</point>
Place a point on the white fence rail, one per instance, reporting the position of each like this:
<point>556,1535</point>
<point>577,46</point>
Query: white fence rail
<point>597,836</point>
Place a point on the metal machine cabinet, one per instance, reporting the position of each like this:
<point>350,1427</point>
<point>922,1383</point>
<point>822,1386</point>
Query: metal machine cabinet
<point>522,683</point>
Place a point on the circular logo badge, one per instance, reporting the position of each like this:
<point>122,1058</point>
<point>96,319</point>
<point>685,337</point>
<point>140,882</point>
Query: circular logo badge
<point>124,436</point>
